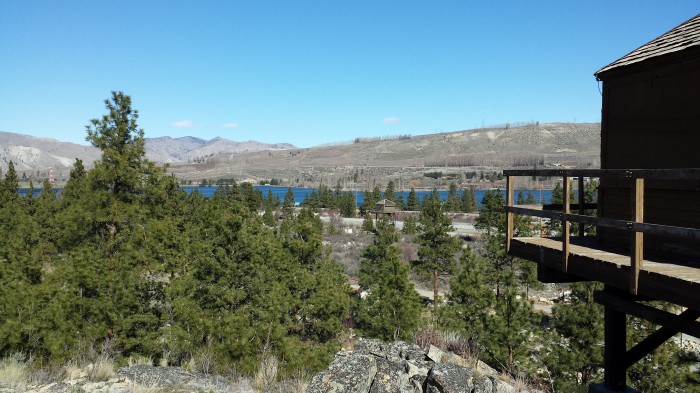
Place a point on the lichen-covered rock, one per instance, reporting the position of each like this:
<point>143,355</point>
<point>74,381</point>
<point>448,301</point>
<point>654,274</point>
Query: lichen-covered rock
<point>405,351</point>
<point>483,384</point>
<point>351,373</point>
<point>449,378</point>
<point>145,375</point>
<point>391,377</point>
<point>435,354</point>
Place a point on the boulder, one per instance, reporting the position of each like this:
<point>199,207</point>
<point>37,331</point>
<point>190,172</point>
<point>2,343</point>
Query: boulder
<point>351,373</point>
<point>449,378</point>
<point>391,377</point>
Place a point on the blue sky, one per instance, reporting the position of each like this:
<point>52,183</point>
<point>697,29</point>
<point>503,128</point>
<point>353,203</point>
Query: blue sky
<point>314,72</point>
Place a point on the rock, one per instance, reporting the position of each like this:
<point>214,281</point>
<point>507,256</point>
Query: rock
<point>351,373</point>
<point>145,375</point>
<point>406,351</point>
<point>449,378</point>
<point>435,354</point>
<point>391,377</point>
<point>483,384</point>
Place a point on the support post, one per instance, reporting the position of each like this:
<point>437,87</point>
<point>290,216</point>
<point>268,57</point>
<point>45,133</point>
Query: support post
<point>581,202</point>
<point>509,215</point>
<point>565,228</point>
<point>615,346</point>
<point>637,241</point>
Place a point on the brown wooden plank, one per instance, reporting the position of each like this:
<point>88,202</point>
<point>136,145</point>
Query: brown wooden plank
<point>581,201</point>
<point>509,214</point>
<point>637,246</point>
<point>565,225</point>
<point>674,283</point>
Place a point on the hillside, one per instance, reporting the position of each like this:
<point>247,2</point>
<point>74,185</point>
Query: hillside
<point>573,144</point>
<point>31,154</point>
<point>404,157</point>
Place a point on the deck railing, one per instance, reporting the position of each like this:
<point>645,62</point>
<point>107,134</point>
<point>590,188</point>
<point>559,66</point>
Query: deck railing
<point>635,225</point>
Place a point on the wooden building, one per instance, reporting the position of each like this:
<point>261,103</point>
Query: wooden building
<point>651,119</point>
<point>647,242</point>
<point>385,207</point>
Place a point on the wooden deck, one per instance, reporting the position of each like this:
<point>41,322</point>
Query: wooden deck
<point>670,280</point>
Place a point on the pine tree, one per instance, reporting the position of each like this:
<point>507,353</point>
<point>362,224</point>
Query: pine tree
<point>412,201</point>
<point>392,309</point>
<point>469,200</point>
<point>9,185</point>
<point>453,203</point>
<point>577,345</point>
<point>436,247</point>
<point>368,223</point>
<point>511,327</point>
<point>469,305</point>
<point>288,204</point>
<point>410,226</point>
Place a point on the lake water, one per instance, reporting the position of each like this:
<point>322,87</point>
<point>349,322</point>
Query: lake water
<point>300,194</point>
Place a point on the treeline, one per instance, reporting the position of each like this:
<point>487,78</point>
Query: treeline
<point>382,138</point>
<point>326,198</point>
<point>493,160</point>
<point>123,262</point>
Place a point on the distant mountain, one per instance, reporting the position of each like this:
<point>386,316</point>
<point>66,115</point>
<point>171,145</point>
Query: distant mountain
<point>404,156</point>
<point>172,150</point>
<point>31,154</point>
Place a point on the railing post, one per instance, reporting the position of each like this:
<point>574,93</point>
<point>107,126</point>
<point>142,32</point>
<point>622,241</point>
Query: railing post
<point>565,225</point>
<point>637,241</point>
<point>509,216</point>
<point>581,200</point>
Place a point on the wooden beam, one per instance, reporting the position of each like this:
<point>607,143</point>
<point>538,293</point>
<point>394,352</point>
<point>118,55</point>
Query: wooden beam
<point>637,239</point>
<point>574,206</point>
<point>581,227</point>
<point>615,346</point>
<point>565,226</point>
<point>655,339</point>
<point>677,323</point>
<point>655,174</point>
<point>509,214</point>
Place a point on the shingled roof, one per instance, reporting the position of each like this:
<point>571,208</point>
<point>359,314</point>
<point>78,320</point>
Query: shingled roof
<point>683,36</point>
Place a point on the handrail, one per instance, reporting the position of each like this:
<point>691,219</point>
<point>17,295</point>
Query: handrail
<point>649,174</point>
<point>636,225</point>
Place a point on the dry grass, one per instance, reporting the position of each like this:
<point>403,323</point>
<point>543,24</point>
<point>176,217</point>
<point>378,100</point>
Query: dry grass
<point>102,369</point>
<point>137,360</point>
<point>267,372</point>
<point>14,371</point>
<point>202,361</point>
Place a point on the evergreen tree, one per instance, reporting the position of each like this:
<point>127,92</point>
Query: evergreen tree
<point>368,223</point>
<point>511,327</point>
<point>288,204</point>
<point>412,201</point>
<point>410,226</point>
<point>469,305</point>
<point>346,204</point>
<point>436,247</point>
<point>390,192</point>
<point>469,200</point>
<point>453,203</point>
<point>530,200</point>
<point>392,309</point>
<point>577,345</point>
<point>9,185</point>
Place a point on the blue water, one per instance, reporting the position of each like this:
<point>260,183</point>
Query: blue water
<point>300,194</point>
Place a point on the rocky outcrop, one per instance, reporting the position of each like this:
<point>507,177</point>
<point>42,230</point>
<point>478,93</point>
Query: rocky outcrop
<point>376,367</point>
<point>141,378</point>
